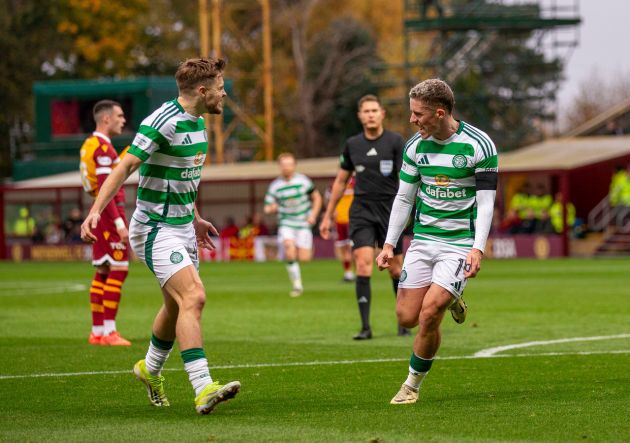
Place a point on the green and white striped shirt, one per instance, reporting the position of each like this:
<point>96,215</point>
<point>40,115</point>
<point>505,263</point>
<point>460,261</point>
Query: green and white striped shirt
<point>172,145</point>
<point>293,198</point>
<point>445,171</point>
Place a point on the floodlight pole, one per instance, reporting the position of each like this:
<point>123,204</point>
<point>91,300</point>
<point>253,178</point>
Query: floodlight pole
<point>267,80</point>
<point>204,43</point>
<point>216,49</point>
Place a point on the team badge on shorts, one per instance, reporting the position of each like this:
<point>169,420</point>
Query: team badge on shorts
<point>460,161</point>
<point>176,257</point>
<point>403,276</point>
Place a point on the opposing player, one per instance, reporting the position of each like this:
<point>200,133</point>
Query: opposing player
<point>166,228</point>
<point>375,156</point>
<point>343,244</point>
<point>450,171</point>
<point>296,201</point>
<point>109,251</point>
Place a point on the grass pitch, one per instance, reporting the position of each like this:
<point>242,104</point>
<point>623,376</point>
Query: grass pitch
<point>303,377</point>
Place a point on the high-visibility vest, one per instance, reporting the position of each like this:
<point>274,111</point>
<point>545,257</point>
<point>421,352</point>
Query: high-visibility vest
<point>620,180</point>
<point>540,203</point>
<point>24,227</point>
<point>555,215</point>
<point>520,204</point>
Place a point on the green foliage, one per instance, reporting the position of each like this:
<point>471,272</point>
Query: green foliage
<point>278,348</point>
<point>341,80</point>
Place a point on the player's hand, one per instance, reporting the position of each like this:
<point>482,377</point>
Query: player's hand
<point>88,225</point>
<point>311,220</point>
<point>383,261</point>
<point>271,208</point>
<point>473,263</point>
<point>202,230</point>
<point>123,233</point>
<point>324,228</point>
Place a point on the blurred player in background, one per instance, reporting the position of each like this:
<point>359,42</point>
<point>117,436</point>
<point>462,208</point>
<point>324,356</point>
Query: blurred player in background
<point>449,172</point>
<point>169,149</point>
<point>109,251</point>
<point>375,156</point>
<point>296,201</point>
<point>343,244</point>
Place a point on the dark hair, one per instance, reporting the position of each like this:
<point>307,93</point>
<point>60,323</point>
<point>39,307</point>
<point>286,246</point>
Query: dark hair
<point>104,105</point>
<point>194,71</point>
<point>368,98</point>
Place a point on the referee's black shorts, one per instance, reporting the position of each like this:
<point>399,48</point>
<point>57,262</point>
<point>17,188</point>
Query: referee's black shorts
<point>368,223</point>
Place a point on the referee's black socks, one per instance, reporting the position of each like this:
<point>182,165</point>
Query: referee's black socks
<point>364,296</point>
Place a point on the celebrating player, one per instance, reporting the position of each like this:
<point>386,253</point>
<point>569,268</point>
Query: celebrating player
<point>375,156</point>
<point>450,170</point>
<point>296,201</point>
<point>109,251</point>
<point>166,228</point>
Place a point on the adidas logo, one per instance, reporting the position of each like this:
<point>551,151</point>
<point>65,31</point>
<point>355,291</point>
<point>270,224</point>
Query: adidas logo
<point>187,140</point>
<point>457,285</point>
<point>372,152</point>
<point>424,160</point>
<point>362,300</point>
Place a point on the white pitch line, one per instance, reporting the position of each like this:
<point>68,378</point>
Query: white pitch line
<point>316,363</point>
<point>492,351</point>
<point>27,289</point>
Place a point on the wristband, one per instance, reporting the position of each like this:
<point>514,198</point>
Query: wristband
<point>120,224</point>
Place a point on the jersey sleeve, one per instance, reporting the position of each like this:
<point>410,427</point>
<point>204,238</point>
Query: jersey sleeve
<point>310,187</point>
<point>270,198</point>
<point>149,139</point>
<point>486,158</point>
<point>344,159</point>
<point>409,172</point>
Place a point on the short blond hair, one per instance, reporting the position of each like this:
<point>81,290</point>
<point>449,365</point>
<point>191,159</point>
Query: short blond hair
<point>434,92</point>
<point>195,71</point>
<point>284,155</point>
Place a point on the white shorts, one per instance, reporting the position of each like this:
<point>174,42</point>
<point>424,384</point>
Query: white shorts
<point>165,249</point>
<point>428,262</point>
<point>302,237</point>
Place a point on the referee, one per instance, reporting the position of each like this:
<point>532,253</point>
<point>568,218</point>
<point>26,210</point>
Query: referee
<point>375,155</point>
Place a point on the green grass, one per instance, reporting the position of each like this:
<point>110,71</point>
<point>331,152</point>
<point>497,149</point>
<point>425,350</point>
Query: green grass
<point>537,393</point>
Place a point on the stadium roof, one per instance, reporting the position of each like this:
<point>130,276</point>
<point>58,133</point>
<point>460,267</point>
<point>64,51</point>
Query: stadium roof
<point>551,155</point>
<point>565,153</point>
<point>316,167</point>
<point>599,121</point>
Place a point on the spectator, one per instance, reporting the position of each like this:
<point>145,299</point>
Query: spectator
<point>72,225</point>
<point>24,226</point>
<point>511,224</point>
<point>619,182</point>
<point>230,230</point>
<point>555,213</point>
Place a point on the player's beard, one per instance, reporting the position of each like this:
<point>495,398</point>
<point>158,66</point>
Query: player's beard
<point>216,108</point>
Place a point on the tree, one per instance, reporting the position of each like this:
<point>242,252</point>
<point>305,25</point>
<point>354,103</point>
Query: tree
<point>332,69</point>
<point>509,90</point>
<point>28,34</point>
<point>595,95</point>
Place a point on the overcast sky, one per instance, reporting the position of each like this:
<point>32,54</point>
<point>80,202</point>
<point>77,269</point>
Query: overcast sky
<point>603,45</point>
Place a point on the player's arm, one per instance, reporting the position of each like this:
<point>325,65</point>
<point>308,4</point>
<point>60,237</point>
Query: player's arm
<point>203,228</point>
<point>316,200</point>
<point>486,183</point>
<point>271,206</point>
<point>401,208</point>
<point>111,209</point>
<point>110,187</point>
<point>338,187</point>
